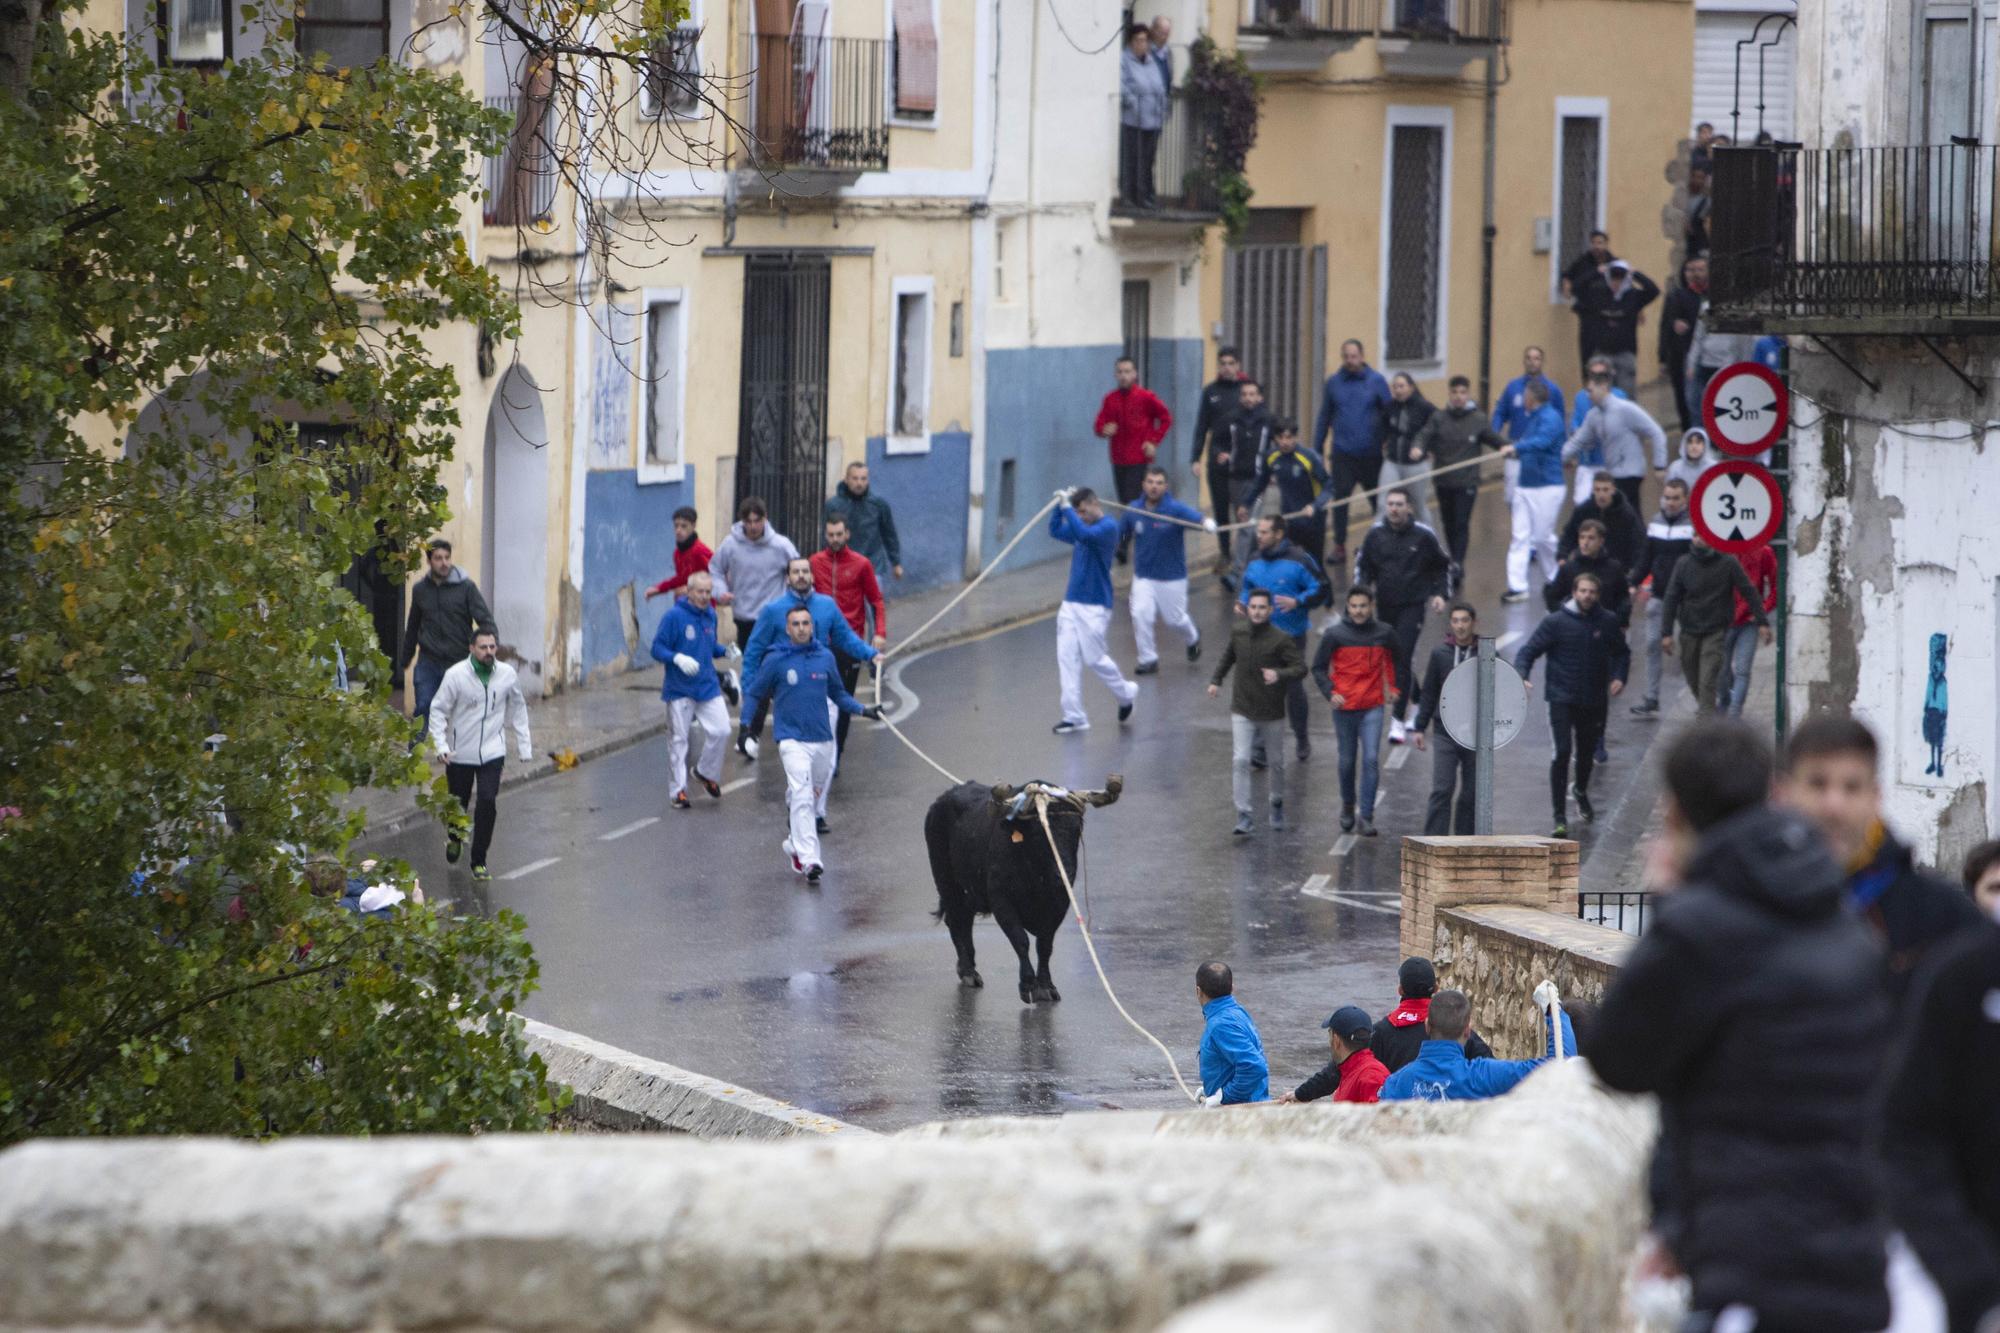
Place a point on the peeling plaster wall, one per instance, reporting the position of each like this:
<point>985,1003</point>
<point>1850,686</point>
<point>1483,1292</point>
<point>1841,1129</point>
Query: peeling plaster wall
<point>1892,499</point>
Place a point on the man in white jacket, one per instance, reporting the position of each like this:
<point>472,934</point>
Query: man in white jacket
<point>474,706</point>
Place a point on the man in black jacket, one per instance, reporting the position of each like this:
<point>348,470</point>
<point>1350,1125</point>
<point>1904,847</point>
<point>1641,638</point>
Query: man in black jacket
<point>1753,1007</point>
<point>1609,308</point>
<point>1700,606</point>
<point>446,610</point>
<point>1452,764</point>
<point>1211,439</point>
<point>1456,432</point>
<point>1941,1128</point>
<point>1590,557</point>
<point>1678,315</point>
<point>1668,538</point>
<point>1624,533</point>
<point>1249,433</point>
<point>1410,572</point>
<point>1830,775</point>
<point>1399,1034</point>
<point>1588,661</point>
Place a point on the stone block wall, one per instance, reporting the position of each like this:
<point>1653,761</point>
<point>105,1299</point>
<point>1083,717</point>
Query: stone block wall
<point>1498,954</point>
<point>1456,872</point>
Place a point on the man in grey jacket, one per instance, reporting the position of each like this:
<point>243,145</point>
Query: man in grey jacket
<point>445,611</point>
<point>1625,432</point>
<point>749,570</point>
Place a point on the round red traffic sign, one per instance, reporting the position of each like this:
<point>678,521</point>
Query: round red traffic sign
<point>1745,409</point>
<point>1736,506</point>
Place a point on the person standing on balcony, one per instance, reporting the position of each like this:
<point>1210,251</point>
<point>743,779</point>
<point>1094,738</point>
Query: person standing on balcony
<point>1135,421</point>
<point>1352,410</point>
<point>1142,114</point>
<point>1161,37</point>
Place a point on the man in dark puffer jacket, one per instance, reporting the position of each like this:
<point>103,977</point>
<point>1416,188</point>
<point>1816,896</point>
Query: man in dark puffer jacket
<point>1754,1007</point>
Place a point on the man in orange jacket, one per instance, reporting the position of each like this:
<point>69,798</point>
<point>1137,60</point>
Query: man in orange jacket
<point>1135,421</point>
<point>848,577</point>
<point>1355,669</point>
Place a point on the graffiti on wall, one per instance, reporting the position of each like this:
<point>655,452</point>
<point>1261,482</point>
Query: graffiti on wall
<point>1936,706</point>
<point>612,343</point>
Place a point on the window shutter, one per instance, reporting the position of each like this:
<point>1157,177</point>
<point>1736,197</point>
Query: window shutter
<point>916,57</point>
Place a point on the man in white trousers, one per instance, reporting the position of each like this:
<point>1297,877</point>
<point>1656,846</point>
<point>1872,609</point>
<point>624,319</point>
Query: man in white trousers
<point>476,704</point>
<point>799,679</point>
<point>1159,567</point>
<point>1085,613</point>
<point>1538,500</point>
<point>685,644</point>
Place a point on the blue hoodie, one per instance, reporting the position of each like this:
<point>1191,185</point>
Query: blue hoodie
<point>1232,1054</point>
<point>1090,562</point>
<point>1286,571</point>
<point>829,626</point>
<point>799,679</point>
<point>1160,549</point>
<point>1540,448</point>
<point>1441,1073</point>
<point>1351,406</point>
<point>1510,414</point>
<point>683,629</point>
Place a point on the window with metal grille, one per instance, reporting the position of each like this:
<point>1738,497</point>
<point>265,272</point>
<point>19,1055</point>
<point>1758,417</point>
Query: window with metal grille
<point>673,74</point>
<point>344,34</point>
<point>1416,214</point>
<point>195,32</point>
<point>662,361</point>
<point>1138,322</point>
<point>1579,171</point>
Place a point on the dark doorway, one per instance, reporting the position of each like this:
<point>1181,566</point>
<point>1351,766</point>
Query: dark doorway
<point>781,436</point>
<point>1137,321</point>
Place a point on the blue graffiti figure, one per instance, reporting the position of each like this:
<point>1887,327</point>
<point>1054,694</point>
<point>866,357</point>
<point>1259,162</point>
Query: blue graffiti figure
<point>1936,704</point>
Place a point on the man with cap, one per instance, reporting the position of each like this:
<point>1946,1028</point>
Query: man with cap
<point>1608,311</point>
<point>1400,1034</point>
<point>1354,1074</point>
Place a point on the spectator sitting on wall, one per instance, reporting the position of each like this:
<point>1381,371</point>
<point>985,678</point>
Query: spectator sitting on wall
<point>871,525</point>
<point>1442,1072</point>
<point>1354,1074</point>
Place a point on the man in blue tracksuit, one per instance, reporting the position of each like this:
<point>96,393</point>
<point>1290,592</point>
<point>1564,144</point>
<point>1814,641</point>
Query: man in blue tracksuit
<point>1510,413</point>
<point>1538,497</point>
<point>685,644</point>
<point>1233,1068</point>
<point>1085,613</point>
<point>1296,584</point>
<point>1303,484</point>
<point>829,627</point>
<point>1352,409</point>
<point>1441,1073</point>
<point>1159,567</point>
<point>801,681</point>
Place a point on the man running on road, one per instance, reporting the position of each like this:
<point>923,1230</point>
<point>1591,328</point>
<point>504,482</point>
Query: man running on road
<point>849,577</point>
<point>1296,584</point>
<point>1159,567</point>
<point>1302,489</point>
<point>1452,765</point>
<point>1410,571</point>
<point>1588,662</point>
<point>475,704</point>
<point>1267,663</point>
<point>1134,420</point>
<point>1211,441</point>
<point>1085,613</point>
<point>1355,669</point>
<point>685,644</point>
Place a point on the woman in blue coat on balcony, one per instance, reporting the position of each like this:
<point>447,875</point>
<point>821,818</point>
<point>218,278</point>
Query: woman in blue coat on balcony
<point>1142,114</point>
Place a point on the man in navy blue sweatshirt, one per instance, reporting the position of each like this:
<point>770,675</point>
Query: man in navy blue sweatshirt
<point>1085,614</point>
<point>1351,410</point>
<point>1159,567</point>
<point>799,679</point>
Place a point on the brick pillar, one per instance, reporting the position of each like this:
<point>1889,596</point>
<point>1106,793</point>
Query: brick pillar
<point>1466,872</point>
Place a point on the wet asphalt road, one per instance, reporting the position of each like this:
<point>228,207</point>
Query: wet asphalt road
<point>685,936</point>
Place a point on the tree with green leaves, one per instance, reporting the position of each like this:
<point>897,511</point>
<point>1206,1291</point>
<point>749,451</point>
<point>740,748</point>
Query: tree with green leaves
<point>193,263</point>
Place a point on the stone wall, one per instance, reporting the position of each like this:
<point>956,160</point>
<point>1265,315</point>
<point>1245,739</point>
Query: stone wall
<point>1457,872</point>
<point>1508,1216</point>
<point>1498,954</point>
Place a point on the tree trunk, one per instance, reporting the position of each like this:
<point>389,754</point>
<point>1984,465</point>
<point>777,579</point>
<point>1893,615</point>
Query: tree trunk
<point>18,19</point>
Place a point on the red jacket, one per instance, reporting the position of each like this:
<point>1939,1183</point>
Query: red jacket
<point>1356,662</point>
<point>850,580</point>
<point>690,559</point>
<point>1141,418</point>
<point>1361,1078</point>
<point>1761,564</point>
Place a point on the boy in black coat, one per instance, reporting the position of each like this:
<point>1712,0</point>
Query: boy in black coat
<point>1588,662</point>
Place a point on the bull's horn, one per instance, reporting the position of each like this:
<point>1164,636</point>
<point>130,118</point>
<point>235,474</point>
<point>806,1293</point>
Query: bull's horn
<point>1002,793</point>
<point>1112,786</point>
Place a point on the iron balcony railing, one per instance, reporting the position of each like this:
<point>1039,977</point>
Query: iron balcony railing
<point>1620,909</point>
<point>1311,18</point>
<point>1890,238</point>
<point>1180,184</point>
<point>1443,20</point>
<point>1479,21</point>
<point>521,179</point>
<point>819,102</point>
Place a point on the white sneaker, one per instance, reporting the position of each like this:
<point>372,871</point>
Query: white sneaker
<point>1397,732</point>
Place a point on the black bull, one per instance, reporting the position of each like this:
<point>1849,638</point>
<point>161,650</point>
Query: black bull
<point>990,856</point>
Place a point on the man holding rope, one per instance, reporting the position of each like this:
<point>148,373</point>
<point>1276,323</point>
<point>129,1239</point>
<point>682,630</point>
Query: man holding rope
<point>1085,614</point>
<point>1159,567</point>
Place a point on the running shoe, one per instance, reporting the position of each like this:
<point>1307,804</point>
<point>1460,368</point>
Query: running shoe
<point>481,873</point>
<point>1147,669</point>
<point>1194,651</point>
<point>813,872</point>
<point>1396,731</point>
<point>1366,828</point>
<point>1583,805</point>
<point>681,799</point>
<point>1069,728</point>
<point>746,745</point>
<point>798,866</point>
<point>709,785</point>
<point>819,822</point>
<point>452,847</point>
<point>1513,597</point>
<point>1649,708</point>
<point>1125,711</point>
<point>1347,819</point>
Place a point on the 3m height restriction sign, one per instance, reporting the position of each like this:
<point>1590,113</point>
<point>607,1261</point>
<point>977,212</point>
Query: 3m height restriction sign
<point>1736,506</point>
<point>1745,409</point>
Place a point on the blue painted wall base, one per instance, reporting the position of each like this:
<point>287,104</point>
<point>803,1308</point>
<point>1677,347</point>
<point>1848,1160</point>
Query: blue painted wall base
<point>628,538</point>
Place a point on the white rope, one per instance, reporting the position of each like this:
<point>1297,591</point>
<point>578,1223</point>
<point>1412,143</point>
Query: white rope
<point>897,732</point>
<point>1355,498</point>
<point>1042,811</point>
<point>977,579</point>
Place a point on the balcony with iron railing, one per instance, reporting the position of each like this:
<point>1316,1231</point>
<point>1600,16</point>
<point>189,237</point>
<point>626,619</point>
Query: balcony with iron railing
<point>1164,179</point>
<point>1420,38</point>
<point>1854,240</point>
<point>520,181</point>
<point>817,106</point>
<point>1298,36</point>
<point>1438,38</point>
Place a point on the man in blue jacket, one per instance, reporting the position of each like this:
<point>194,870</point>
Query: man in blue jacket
<point>1159,567</point>
<point>1085,613</point>
<point>1538,497</point>
<point>1351,409</point>
<point>1510,414</point>
<point>1233,1068</point>
<point>801,681</point>
<point>1296,584</point>
<point>829,627</point>
<point>1588,663</point>
<point>1441,1072</point>
<point>685,644</point>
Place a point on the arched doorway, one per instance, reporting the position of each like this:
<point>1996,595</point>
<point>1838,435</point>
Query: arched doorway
<point>514,526</point>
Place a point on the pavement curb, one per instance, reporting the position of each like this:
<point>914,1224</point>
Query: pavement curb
<point>616,1090</point>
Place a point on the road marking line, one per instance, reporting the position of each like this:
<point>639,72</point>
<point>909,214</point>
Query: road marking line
<point>1327,895</point>
<point>531,867</point>
<point>1344,846</point>
<point>632,827</point>
<point>1507,640</point>
<point>1398,756</point>
<point>1314,883</point>
<point>738,785</point>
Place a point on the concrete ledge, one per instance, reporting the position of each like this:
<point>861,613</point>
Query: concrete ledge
<point>615,1089</point>
<point>1497,954</point>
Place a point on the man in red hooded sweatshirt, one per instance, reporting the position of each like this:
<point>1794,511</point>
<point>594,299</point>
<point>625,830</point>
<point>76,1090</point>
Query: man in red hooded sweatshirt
<point>1135,421</point>
<point>848,577</point>
<point>1398,1036</point>
<point>690,554</point>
